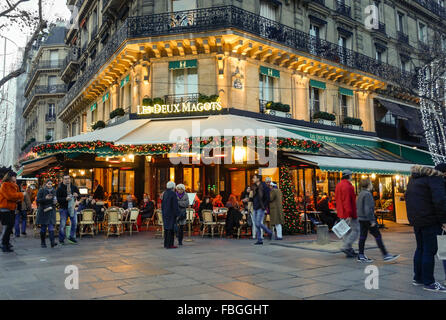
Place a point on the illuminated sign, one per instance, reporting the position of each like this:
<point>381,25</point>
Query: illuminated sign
<point>179,108</point>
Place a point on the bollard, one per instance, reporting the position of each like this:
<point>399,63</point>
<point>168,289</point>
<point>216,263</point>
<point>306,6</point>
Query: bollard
<point>322,234</point>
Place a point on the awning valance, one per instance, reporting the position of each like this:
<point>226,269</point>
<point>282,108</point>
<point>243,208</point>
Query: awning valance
<point>31,166</point>
<point>356,165</point>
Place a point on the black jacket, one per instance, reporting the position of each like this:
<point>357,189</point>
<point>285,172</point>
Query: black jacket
<point>170,209</point>
<point>426,197</point>
<point>147,209</point>
<point>261,196</point>
<point>99,193</point>
<point>61,195</point>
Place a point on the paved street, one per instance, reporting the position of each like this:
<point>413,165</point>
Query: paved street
<point>138,267</point>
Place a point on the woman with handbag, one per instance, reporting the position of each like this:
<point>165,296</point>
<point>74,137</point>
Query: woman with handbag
<point>46,212</point>
<point>183,203</point>
<point>9,195</point>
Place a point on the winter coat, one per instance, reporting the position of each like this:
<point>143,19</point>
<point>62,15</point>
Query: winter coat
<point>275,207</point>
<point>9,195</point>
<point>61,194</point>
<point>183,204</point>
<point>345,200</point>
<point>261,196</point>
<point>147,209</point>
<point>99,193</point>
<point>366,206</point>
<point>204,206</point>
<point>48,217</point>
<point>26,203</point>
<point>170,209</point>
<point>125,205</point>
<point>426,197</point>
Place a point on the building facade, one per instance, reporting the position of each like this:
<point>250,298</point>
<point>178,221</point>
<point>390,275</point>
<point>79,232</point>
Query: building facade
<point>43,90</point>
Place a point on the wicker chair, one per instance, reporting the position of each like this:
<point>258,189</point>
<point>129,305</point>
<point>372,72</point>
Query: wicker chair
<point>208,222</point>
<point>190,214</point>
<point>87,222</point>
<point>132,221</point>
<point>159,223</point>
<point>113,221</point>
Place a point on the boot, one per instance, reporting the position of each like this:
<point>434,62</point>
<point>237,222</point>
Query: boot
<point>53,243</point>
<point>42,239</point>
<point>6,249</point>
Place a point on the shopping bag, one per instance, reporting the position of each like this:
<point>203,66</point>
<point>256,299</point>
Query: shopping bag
<point>441,241</point>
<point>341,228</point>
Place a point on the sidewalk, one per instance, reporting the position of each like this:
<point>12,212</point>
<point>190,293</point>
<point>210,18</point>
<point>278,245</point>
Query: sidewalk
<point>138,267</point>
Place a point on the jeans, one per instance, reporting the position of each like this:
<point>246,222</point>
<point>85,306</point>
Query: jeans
<point>259,214</point>
<point>63,222</point>
<point>365,227</point>
<point>352,234</point>
<point>20,215</point>
<point>44,226</point>
<point>424,258</point>
<point>8,223</point>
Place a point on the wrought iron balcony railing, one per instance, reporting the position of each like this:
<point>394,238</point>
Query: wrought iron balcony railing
<point>50,117</point>
<point>402,37</point>
<point>179,98</point>
<point>43,65</point>
<point>381,28</point>
<point>72,57</point>
<point>433,6</point>
<point>216,18</point>
<point>57,89</point>
<point>343,9</point>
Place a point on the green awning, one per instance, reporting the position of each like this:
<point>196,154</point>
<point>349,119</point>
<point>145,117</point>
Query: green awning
<point>125,80</point>
<point>105,97</point>
<point>183,64</point>
<point>322,137</point>
<point>269,72</point>
<point>317,84</point>
<point>93,107</point>
<point>346,92</point>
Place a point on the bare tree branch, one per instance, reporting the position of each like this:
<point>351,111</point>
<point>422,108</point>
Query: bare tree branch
<point>11,7</point>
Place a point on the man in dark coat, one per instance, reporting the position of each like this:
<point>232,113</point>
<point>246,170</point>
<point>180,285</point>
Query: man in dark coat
<point>426,212</point>
<point>66,194</point>
<point>170,211</point>
<point>98,191</point>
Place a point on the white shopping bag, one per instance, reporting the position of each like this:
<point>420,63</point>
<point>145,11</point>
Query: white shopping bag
<point>441,241</point>
<point>341,228</point>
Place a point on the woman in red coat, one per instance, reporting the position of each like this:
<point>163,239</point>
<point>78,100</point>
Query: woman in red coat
<point>9,195</point>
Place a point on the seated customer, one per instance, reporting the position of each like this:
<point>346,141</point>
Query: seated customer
<point>204,205</point>
<point>147,208</point>
<point>327,217</point>
<point>234,215</point>
<point>127,205</point>
<point>217,202</point>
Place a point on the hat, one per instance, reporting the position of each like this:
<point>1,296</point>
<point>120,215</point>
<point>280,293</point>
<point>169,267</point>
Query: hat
<point>441,167</point>
<point>346,173</point>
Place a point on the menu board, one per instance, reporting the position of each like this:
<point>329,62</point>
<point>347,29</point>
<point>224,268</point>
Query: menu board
<point>191,197</point>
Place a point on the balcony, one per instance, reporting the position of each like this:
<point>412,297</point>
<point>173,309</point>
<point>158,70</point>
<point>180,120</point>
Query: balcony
<point>343,9</point>
<point>70,65</point>
<point>58,89</point>
<point>179,98</point>
<point>42,65</point>
<point>381,28</point>
<point>433,7</point>
<point>50,117</point>
<point>230,17</point>
<point>402,37</point>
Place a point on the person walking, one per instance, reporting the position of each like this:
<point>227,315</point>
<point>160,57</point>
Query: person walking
<point>183,204</point>
<point>275,208</point>
<point>426,212</point>
<point>346,209</point>
<point>367,223</point>
<point>170,211</point>
<point>9,195</point>
<point>46,212</point>
<point>22,211</point>
<point>260,203</point>
<point>66,195</point>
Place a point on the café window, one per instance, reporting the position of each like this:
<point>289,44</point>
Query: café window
<point>268,10</point>
<point>184,75</point>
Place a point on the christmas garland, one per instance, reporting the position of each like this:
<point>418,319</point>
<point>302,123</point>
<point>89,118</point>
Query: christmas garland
<point>109,148</point>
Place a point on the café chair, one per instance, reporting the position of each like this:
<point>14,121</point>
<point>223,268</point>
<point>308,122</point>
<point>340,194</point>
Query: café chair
<point>87,222</point>
<point>190,213</point>
<point>243,225</point>
<point>113,220</point>
<point>208,222</point>
<point>132,221</point>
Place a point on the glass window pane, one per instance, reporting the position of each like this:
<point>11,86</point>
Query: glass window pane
<point>178,81</point>
<point>192,80</point>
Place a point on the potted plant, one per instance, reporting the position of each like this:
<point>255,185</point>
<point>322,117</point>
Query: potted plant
<point>352,123</point>
<point>324,118</point>
<point>119,112</point>
<point>147,102</point>
<point>98,125</point>
<point>278,109</point>
<point>157,101</point>
<point>48,137</point>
